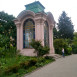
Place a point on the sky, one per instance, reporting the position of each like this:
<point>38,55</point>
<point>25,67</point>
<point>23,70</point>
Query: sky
<point>14,7</point>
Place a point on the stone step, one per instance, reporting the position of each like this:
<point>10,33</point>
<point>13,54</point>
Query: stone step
<point>55,56</point>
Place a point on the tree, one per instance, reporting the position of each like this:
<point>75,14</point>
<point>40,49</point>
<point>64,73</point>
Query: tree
<point>7,27</point>
<point>65,26</point>
<point>4,41</point>
<point>55,33</point>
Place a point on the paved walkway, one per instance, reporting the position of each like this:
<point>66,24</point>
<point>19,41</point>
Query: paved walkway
<point>62,67</point>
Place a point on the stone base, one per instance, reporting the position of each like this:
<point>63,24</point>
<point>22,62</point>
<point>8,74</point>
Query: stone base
<point>55,56</point>
<point>28,52</point>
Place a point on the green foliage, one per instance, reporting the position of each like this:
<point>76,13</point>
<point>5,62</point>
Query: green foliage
<point>65,26</point>
<point>69,49</point>
<point>8,52</point>
<point>40,62</point>
<point>74,46</point>
<point>55,33</point>
<point>39,48</point>
<point>59,44</point>
<point>44,50</point>
<point>1,51</point>
<point>13,69</point>
<point>33,62</point>
<point>75,39</point>
<point>29,63</point>
<point>5,46</point>
<point>74,49</point>
<point>7,27</point>
<point>4,41</point>
<point>22,67</point>
<point>49,57</point>
<point>25,64</point>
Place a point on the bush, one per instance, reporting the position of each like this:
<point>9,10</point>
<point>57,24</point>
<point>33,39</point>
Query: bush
<point>74,49</point>
<point>39,64</point>
<point>39,48</point>
<point>69,49</point>
<point>13,69</point>
<point>21,66</point>
<point>25,64</point>
<point>44,50</point>
<point>10,52</point>
<point>48,57</point>
<point>74,46</point>
<point>29,63</point>
<point>2,51</point>
<point>4,41</point>
<point>59,44</point>
<point>33,62</point>
<point>41,59</point>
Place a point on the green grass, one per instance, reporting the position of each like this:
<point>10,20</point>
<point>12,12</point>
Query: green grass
<point>9,62</point>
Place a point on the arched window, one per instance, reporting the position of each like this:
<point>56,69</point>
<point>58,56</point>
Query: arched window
<point>46,34</point>
<point>28,32</point>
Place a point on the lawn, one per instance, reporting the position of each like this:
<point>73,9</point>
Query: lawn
<point>18,65</point>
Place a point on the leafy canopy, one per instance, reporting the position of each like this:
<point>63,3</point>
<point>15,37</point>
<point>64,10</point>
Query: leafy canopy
<point>65,26</point>
<point>7,26</point>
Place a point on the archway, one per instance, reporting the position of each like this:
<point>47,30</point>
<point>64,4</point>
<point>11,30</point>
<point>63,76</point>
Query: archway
<point>28,32</point>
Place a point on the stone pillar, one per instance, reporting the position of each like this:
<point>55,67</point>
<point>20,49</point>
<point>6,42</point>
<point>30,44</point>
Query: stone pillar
<point>21,37</point>
<point>18,35</point>
<point>39,30</point>
<point>51,39</point>
<point>42,32</point>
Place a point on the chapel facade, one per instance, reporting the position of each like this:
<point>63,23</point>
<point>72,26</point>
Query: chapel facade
<point>34,23</point>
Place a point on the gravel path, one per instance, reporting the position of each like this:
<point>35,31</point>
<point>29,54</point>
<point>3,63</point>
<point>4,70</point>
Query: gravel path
<point>62,67</point>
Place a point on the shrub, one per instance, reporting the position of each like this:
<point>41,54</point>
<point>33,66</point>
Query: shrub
<point>10,52</point>
<point>39,48</point>
<point>25,64</point>
<point>69,49</point>
<point>74,46</point>
<point>59,44</point>
<point>4,41</point>
<point>41,59</point>
<point>39,64</point>
<point>48,57</point>
<point>2,51</point>
<point>13,69</point>
<point>29,63</point>
<point>44,50</point>
<point>74,49</point>
<point>33,62</point>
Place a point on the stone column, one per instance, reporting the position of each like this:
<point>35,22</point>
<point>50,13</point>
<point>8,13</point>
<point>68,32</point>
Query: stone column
<point>42,32</point>
<point>51,39</point>
<point>18,35</point>
<point>39,30</point>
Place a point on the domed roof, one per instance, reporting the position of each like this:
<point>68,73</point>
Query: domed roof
<point>24,13</point>
<point>50,17</point>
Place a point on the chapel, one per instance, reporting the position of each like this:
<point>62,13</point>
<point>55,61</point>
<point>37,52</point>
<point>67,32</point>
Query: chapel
<point>34,23</point>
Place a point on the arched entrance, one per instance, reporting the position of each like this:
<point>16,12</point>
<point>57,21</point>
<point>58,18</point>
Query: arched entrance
<point>28,32</point>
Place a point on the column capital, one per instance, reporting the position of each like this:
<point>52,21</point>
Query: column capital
<point>17,22</point>
<point>39,21</point>
<point>51,26</point>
